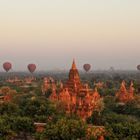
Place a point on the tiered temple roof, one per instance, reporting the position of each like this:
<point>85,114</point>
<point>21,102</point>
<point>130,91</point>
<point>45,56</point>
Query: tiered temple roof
<point>78,98</point>
<point>124,95</point>
<point>48,83</point>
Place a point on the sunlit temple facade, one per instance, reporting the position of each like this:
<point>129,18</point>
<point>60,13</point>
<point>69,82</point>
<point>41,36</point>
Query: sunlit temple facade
<point>124,95</point>
<point>48,83</point>
<point>77,97</point>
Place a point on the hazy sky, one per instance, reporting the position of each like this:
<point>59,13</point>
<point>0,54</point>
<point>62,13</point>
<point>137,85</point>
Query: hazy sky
<point>51,33</point>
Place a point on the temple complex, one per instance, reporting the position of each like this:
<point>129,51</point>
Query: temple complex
<point>99,84</point>
<point>48,83</point>
<point>124,95</point>
<point>29,80</point>
<point>13,80</point>
<point>77,97</point>
<point>6,94</point>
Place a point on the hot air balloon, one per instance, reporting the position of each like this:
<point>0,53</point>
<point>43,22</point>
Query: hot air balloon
<point>31,67</point>
<point>7,66</point>
<point>87,67</point>
<point>138,67</point>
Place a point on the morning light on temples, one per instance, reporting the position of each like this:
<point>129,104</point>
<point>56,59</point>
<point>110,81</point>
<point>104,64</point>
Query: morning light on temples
<point>70,70</point>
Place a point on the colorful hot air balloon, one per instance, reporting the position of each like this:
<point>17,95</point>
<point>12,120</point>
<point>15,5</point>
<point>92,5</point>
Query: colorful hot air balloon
<point>31,67</point>
<point>87,67</point>
<point>7,66</point>
<point>138,67</point>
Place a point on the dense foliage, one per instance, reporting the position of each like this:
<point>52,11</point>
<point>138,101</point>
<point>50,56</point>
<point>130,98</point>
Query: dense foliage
<point>121,121</point>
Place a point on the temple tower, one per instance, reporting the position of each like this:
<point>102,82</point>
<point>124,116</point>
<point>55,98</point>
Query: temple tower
<point>74,82</point>
<point>74,74</point>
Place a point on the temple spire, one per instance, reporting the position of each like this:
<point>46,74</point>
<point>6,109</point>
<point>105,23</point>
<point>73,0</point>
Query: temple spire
<point>123,88</point>
<point>74,74</point>
<point>131,88</point>
<point>73,65</point>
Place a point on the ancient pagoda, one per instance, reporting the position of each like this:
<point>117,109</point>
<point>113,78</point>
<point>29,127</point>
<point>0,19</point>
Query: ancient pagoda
<point>124,95</point>
<point>77,97</point>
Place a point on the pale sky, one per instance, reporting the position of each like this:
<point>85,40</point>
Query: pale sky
<point>50,33</point>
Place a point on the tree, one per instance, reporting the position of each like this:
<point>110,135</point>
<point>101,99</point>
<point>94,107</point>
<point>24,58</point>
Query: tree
<point>11,127</point>
<point>9,108</point>
<point>6,133</point>
<point>23,126</point>
<point>65,129</point>
<point>124,131</point>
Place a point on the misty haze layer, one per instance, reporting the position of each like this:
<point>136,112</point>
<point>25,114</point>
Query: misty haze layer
<point>51,33</point>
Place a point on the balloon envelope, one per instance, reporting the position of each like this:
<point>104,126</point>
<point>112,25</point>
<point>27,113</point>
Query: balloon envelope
<point>31,67</point>
<point>7,66</point>
<point>87,67</point>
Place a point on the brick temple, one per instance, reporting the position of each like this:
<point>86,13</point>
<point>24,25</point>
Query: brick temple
<point>77,97</point>
<point>124,95</point>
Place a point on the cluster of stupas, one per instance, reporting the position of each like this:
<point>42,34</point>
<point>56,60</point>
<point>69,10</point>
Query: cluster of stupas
<point>124,95</point>
<point>26,80</point>
<point>48,83</point>
<point>13,80</point>
<point>99,84</point>
<point>29,80</point>
<point>6,94</point>
<point>77,98</point>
